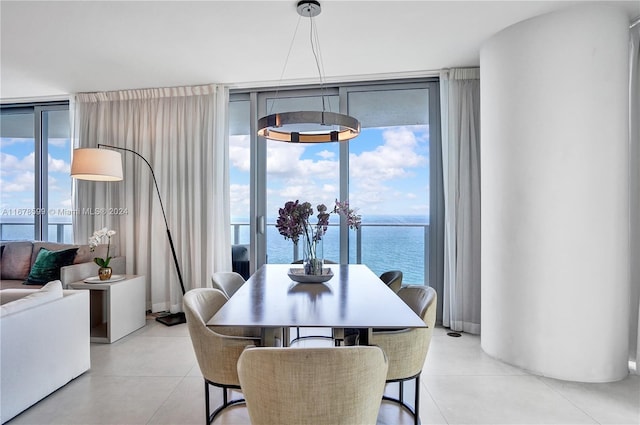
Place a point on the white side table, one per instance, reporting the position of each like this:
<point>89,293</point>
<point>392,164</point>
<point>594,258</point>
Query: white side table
<point>116,308</point>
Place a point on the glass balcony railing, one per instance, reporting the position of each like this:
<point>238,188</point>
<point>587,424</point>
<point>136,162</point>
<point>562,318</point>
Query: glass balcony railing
<point>381,246</point>
<point>56,232</point>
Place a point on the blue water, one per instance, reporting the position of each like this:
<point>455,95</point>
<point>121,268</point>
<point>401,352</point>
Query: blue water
<point>388,243</point>
<point>17,229</point>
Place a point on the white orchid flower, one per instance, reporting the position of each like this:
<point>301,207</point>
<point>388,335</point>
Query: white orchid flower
<point>97,236</point>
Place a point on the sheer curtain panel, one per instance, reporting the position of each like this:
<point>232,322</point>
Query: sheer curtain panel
<point>182,132</point>
<point>460,114</point>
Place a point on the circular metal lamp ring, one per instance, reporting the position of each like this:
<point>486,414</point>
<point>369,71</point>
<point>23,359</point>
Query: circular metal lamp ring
<point>270,127</point>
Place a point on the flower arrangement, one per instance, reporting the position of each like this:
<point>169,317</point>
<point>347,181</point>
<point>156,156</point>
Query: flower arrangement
<point>95,239</point>
<point>294,221</point>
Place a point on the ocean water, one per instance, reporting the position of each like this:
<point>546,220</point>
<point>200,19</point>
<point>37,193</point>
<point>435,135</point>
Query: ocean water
<point>386,243</point>
<point>17,228</point>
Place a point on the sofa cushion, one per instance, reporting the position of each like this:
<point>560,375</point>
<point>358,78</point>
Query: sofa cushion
<point>16,260</point>
<point>84,254</point>
<point>48,263</point>
<point>49,292</point>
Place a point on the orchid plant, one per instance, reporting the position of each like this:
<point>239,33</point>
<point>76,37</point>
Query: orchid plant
<point>294,221</point>
<point>95,240</point>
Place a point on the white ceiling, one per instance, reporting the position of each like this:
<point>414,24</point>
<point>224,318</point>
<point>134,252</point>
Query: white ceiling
<point>53,48</point>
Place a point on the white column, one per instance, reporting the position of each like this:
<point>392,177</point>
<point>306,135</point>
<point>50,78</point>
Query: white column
<point>555,202</point>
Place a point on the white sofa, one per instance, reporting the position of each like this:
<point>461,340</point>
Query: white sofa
<point>44,343</point>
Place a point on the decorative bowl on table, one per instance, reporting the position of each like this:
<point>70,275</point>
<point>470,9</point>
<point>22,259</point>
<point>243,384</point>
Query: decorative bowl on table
<point>298,275</point>
<point>96,279</point>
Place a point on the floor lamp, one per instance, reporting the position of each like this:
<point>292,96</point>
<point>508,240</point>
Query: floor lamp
<point>106,165</point>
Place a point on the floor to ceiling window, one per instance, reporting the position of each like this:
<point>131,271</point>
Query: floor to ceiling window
<point>35,152</point>
<point>389,167</point>
<point>389,173</point>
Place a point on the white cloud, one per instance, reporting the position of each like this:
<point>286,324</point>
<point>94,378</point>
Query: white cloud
<point>394,160</point>
<point>239,196</point>
<point>10,164</point>
<point>58,165</point>
<point>239,150</point>
<point>283,159</point>
<point>60,143</point>
<point>325,154</point>
<point>390,160</point>
<point>22,182</point>
<point>284,163</point>
<point>8,141</point>
<point>402,154</point>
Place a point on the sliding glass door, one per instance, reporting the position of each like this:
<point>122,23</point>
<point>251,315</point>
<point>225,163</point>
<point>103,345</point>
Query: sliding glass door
<point>390,173</point>
<point>389,178</point>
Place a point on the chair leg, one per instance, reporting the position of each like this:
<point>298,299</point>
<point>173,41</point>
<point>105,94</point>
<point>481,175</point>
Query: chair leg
<point>416,405</point>
<point>415,409</point>
<point>226,401</point>
<point>206,403</point>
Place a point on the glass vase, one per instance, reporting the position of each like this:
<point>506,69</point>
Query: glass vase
<point>312,257</point>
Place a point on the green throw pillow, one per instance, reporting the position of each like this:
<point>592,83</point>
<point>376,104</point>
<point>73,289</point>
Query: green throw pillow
<point>47,265</point>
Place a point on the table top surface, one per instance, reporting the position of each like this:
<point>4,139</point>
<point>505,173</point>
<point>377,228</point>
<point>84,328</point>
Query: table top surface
<point>81,284</point>
<point>354,298</point>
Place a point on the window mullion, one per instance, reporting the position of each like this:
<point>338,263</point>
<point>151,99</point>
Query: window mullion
<point>344,182</point>
<point>41,172</point>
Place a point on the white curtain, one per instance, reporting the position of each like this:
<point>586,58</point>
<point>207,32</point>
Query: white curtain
<point>460,114</point>
<point>634,167</point>
<point>182,132</point>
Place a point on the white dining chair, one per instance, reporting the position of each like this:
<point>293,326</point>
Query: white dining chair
<point>217,354</point>
<point>407,348</point>
<point>227,282</point>
<point>313,386</point>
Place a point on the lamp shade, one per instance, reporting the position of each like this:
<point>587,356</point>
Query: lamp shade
<point>96,164</point>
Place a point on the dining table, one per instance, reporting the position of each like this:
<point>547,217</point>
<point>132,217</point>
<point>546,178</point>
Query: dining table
<point>353,298</point>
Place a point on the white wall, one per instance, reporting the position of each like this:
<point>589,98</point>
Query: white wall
<point>555,201</point>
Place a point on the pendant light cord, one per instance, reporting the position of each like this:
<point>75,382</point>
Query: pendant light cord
<point>315,44</point>
<point>286,61</point>
<point>317,54</point>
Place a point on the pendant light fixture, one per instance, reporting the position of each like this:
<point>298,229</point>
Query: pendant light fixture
<point>309,126</point>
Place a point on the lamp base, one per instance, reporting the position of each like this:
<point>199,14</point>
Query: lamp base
<point>172,319</point>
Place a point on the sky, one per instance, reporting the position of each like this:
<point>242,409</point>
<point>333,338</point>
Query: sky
<point>389,172</point>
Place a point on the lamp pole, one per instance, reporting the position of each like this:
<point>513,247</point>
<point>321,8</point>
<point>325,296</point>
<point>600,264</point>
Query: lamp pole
<point>174,318</point>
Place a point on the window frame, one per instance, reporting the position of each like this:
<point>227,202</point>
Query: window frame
<point>258,190</point>
<point>41,165</point>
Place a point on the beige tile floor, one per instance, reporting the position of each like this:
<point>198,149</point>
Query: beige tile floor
<point>151,377</point>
